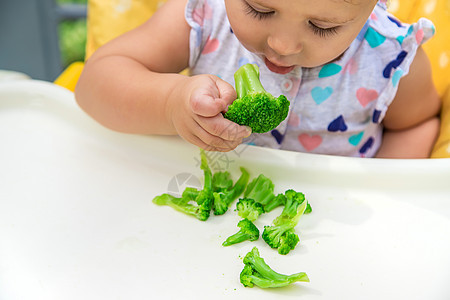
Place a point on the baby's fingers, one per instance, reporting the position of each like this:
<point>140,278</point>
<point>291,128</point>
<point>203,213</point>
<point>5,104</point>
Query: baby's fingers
<point>192,132</point>
<point>224,129</point>
<point>226,92</point>
<point>212,98</point>
<point>222,146</point>
<point>206,105</point>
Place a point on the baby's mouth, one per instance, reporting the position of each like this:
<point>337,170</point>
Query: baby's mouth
<point>277,69</point>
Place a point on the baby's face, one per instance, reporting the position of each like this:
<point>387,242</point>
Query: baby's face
<point>289,33</point>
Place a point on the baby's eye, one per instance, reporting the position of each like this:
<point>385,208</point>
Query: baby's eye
<point>323,32</point>
<point>260,15</point>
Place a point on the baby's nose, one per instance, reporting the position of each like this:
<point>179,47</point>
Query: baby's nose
<point>284,45</point>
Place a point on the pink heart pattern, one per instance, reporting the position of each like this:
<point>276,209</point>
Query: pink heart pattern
<point>310,142</point>
<point>365,96</point>
<point>419,36</point>
<point>202,13</point>
<point>211,45</point>
<point>351,67</point>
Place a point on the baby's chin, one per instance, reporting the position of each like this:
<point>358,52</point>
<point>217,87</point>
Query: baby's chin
<point>310,65</point>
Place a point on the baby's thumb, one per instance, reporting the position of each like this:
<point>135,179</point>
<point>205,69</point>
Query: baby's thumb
<point>227,94</point>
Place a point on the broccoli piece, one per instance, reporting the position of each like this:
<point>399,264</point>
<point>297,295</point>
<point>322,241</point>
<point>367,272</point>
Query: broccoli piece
<point>206,193</point>
<point>257,272</point>
<point>260,189</point>
<point>279,200</point>
<point>224,193</point>
<point>190,194</point>
<point>254,106</point>
<point>201,212</point>
<point>288,241</point>
<point>282,235</point>
<point>248,231</point>
<point>193,202</point>
<point>292,200</point>
<point>249,208</point>
<point>308,209</point>
<point>221,181</point>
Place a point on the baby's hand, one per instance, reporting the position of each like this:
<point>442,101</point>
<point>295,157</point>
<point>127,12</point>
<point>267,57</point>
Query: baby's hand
<point>197,114</point>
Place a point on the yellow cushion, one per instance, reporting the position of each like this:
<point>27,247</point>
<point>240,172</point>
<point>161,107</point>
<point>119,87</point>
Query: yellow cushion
<point>403,9</point>
<point>109,18</point>
<point>106,20</point>
<point>69,77</point>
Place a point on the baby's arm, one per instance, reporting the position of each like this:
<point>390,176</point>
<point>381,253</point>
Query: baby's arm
<point>411,122</point>
<point>132,85</point>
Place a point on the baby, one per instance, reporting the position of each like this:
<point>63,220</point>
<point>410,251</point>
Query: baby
<point>358,80</point>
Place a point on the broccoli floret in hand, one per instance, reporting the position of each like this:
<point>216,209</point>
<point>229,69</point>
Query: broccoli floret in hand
<point>248,232</point>
<point>249,208</point>
<point>255,107</point>
<point>224,192</point>
<point>257,272</point>
<point>282,235</point>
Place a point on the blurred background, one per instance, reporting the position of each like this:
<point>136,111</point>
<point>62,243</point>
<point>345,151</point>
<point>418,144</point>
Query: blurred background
<point>42,37</point>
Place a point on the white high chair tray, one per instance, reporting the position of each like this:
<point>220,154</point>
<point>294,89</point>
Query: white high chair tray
<point>77,219</point>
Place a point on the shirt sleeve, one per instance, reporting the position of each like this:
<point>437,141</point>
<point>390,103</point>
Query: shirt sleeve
<point>397,45</point>
<point>198,14</point>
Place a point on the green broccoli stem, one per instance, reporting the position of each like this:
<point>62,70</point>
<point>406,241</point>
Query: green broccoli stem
<point>284,219</point>
<point>236,238</point>
<point>167,199</point>
<point>190,194</point>
<point>248,231</point>
<point>222,200</point>
<point>240,184</point>
<point>246,80</point>
<point>178,204</point>
<point>300,211</point>
<point>268,283</point>
<point>260,266</point>
<point>279,200</point>
<point>206,171</point>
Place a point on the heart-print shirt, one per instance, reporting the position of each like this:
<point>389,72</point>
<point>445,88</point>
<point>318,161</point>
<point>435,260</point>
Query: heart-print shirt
<point>336,108</point>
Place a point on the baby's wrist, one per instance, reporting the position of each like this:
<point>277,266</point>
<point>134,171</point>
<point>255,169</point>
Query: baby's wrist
<point>177,94</point>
